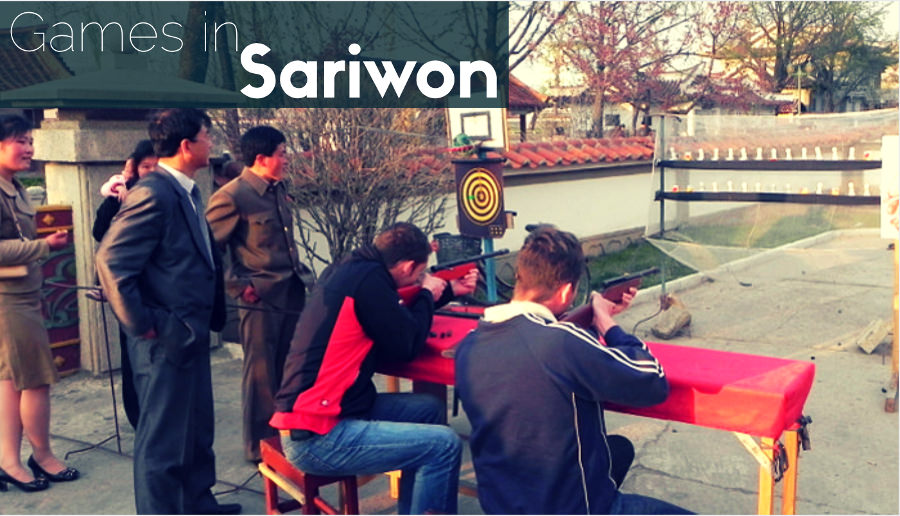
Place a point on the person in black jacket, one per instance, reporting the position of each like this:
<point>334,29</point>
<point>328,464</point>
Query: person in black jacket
<point>140,163</point>
<point>331,419</point>
<point>533,389</point>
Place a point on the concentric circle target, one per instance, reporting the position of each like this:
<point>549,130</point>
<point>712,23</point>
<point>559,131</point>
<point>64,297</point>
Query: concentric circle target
<point>480,196</point>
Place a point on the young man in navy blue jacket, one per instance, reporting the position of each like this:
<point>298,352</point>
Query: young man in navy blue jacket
<point>533,389</point>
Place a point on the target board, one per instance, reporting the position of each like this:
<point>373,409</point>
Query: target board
<point>479,198</point>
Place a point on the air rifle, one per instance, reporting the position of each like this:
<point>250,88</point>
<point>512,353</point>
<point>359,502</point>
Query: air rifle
<point>458,268</point>
<point>612,289</point>
<point>449,271</point>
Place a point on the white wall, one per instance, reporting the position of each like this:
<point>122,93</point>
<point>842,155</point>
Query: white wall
<point>586,207</point>
<point>594,206</point>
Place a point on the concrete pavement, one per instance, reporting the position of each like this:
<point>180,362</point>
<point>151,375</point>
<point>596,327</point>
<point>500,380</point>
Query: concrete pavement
<point>803,303</point>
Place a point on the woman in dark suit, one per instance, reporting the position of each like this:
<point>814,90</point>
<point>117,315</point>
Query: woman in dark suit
<point>26,364</point>
<point>141,162</point>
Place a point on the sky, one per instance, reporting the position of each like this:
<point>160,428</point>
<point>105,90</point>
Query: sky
<point>892,20</point>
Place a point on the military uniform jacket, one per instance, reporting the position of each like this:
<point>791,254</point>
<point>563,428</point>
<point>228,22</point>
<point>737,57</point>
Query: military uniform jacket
<point>252,217</point>
<point>13,250</point>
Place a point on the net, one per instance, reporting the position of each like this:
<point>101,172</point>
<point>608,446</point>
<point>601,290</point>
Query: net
<point>729,187</point>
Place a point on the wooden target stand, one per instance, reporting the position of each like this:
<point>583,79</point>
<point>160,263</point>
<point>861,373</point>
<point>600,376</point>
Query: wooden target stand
<point>479,180</point>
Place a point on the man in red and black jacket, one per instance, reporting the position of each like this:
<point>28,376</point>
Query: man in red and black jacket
<point>332,420</point>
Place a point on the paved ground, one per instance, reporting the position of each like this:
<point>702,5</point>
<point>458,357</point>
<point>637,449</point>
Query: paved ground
<point>803,303</point>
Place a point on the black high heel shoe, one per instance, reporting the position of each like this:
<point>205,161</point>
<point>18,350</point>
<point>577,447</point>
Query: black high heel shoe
<point>66,475</point>
<point>38,484</point>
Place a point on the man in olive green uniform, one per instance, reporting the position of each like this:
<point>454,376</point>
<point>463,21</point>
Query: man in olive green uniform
<point>251,217</point>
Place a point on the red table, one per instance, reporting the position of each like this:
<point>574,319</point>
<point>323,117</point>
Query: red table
<point>746,394</point>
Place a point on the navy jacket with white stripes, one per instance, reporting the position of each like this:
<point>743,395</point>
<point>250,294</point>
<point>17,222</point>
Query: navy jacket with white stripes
<point>533,389</point>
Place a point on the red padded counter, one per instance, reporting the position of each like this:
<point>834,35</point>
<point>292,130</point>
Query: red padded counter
<point>431,366</point>
<point>751,394</point>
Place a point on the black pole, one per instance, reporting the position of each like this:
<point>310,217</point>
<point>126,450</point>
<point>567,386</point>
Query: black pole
<point>112,383</point>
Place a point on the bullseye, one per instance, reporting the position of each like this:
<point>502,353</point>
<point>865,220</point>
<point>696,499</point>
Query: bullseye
<point>480,196</point>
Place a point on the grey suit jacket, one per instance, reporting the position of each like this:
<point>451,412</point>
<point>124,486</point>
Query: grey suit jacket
<point>155,270</point>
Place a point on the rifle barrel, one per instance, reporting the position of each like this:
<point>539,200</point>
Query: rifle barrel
<point>626,277</point>
<point>480,257</point>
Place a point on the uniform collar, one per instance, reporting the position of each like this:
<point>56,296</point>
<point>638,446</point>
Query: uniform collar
<point>500,313</point>
<point>258,184</point>
<point>10,188</point>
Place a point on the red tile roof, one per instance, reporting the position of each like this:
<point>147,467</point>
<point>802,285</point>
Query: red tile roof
<point>587,152</point>
<point>527,156</point>
<point>578,151</point>
<point>547,155</point>
<point>524,99</point>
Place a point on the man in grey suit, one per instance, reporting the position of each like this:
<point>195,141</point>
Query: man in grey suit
<point>251,216</point>
<point>164,282</point>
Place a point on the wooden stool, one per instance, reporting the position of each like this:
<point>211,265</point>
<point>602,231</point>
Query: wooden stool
<point>278,472</point>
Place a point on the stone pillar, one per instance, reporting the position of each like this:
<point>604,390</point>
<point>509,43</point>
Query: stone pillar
<point>82,149</point>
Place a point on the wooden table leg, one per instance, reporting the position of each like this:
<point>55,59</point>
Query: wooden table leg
<point>394,477</point>
<point>766,482</point>
<point>789,493</point>
<point>392,384</point>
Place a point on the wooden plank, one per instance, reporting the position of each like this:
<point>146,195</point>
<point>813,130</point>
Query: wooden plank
<point>789,490</point>
<point>765,503</point>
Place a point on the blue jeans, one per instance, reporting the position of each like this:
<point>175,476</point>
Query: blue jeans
<point>401,431</point>
<point>638,504</point>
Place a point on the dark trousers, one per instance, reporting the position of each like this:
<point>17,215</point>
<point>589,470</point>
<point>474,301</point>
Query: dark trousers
<point>266,338</point>
<point>129,394</point>
<point>621,455</point>
<point>174,464</point>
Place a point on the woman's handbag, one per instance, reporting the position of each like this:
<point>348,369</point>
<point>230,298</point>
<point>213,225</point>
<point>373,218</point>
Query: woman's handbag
<point>13,271</point>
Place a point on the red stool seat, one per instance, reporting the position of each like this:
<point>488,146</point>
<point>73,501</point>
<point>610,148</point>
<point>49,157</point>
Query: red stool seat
<point>278,472</point>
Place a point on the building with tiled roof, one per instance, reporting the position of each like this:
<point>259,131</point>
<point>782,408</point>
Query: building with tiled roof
<point>21,69</point>
<point>551,157</point>
<point>522,98</point>
<point>524,101</point>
